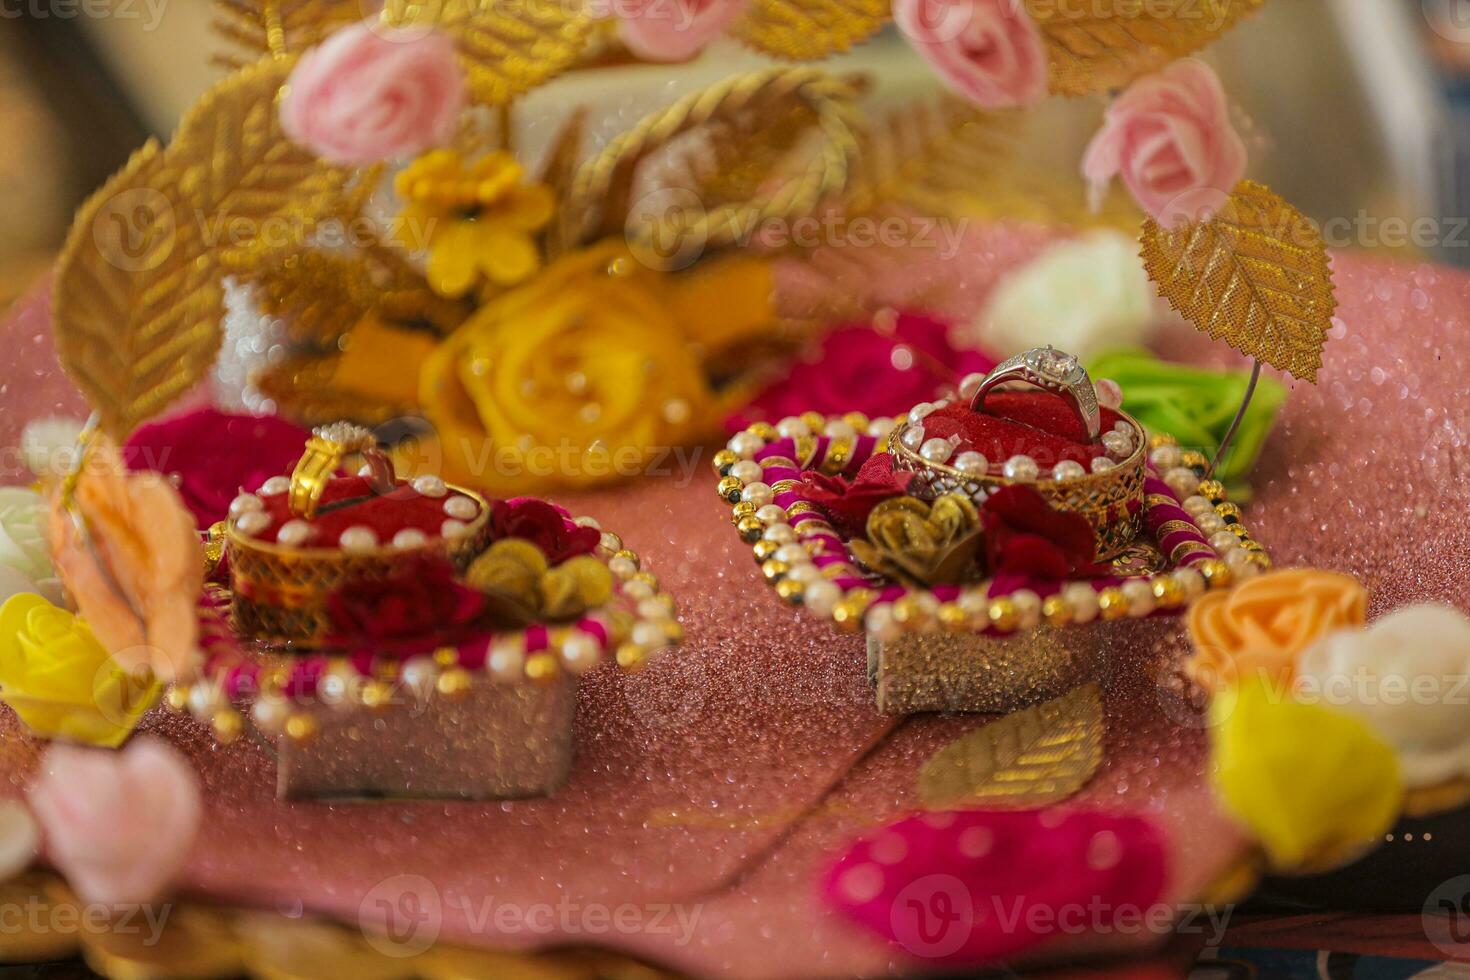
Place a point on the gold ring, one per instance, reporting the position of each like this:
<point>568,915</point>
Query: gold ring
<point>325,450</point>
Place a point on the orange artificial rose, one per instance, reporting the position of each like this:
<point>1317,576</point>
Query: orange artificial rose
<point>138,581</point>
<point>1261,627</point>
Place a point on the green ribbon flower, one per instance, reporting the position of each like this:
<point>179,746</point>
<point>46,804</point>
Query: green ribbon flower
<point>1195,405</point>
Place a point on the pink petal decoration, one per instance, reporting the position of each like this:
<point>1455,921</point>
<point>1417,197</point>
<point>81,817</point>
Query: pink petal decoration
<point>977,887</point>
<point>118,824</point>
<point>659,30</point>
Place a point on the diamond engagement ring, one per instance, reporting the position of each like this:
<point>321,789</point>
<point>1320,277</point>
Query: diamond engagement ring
<point>1050,370</point>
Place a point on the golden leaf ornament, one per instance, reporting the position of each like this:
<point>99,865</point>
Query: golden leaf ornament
<point>809,30</point>
<point>1033,758</point>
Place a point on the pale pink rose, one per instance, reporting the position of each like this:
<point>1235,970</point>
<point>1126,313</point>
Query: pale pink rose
<point>1170,137</point>
<point>673,30</point>
<point>372,93</point>
<point>118,825</point>
<point>988,51</point>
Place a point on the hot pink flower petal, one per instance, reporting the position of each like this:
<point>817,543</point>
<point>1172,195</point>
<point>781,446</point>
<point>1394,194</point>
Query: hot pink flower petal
<point>1170,138</point>
<point>989,51</point>
<point>372,93</point>
<point>661,30</point>
<point>972,887</point>
<point>118,825</point>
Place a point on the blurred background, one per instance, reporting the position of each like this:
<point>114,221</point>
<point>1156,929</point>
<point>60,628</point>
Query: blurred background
<point>1358,111</point>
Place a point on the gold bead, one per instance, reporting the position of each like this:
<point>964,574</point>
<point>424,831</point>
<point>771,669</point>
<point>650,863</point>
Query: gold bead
<point>849,610</point>
<point>178,698</point>
<point>632,657</point>
<point>1057,611</point>
<point>858,421</point>
<point>300,728</point>
<point>1112,604</point>
<point>629,555</point>
<point>1227,509</point>
<point>1216,572</point>
<point>1003,615</point>
<point>790,590</point>
<point>227,725</point>
<point>953,617</point>
<point>453,683</point>
<point>1211,490</point>
<point>730,488</point>
<point>765,431</point>
<point>765,549</point>
<point>1260,559</point>
<point>542,667</point>
<point>1158,439</point>
<point>647,578</point>
<point>742,510</point>
<point>774,568</point>
<point>724,459</point>
<point>908,611</point>
<point>815,421</point>
<point>375,694</point>
<point>1251,544</point>
<point>1240,531</point>
<point>1192,458</point>
<point>674,630</point>
<point>1168,592</point>
<point>446,657</point>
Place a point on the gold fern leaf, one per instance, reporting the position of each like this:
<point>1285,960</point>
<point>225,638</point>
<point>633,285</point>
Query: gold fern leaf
<point>809,30</point>
<point>1106,44</point>
<point>135,308</point>
<point>507,49</point>
<point>1256,275</point>
<point>1032,758</point>
<point>278,27</point>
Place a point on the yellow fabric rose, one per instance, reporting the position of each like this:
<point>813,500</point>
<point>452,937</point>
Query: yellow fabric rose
<point>582,375</point>
<point>1316,786</point>
<point>1260,628</point>
<point>517,570</point>
<point>61,681</point>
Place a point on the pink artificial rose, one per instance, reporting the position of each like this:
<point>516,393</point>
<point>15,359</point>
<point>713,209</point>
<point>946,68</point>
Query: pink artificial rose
<point>673,30</point>
<point>372,93</point>
<point>118,825</point>
<point>989,51</point>
<point>1169,136</point>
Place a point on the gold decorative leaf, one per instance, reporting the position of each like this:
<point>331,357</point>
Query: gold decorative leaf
<point>1032,758</point>
<point>809,30</point>
<point>1105,44</point>
<point>1256,275</point>
<point>135,308</point>
<point>138,297</point>
<point>279,27</point>
<point>507,49</point>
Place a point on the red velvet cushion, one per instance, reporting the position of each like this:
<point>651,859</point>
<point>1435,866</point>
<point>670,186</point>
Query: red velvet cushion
<point>1015,423</point>
<point>386,515</point>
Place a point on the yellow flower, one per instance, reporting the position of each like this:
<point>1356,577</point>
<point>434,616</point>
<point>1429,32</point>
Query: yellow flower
<point>516,569</point>
<point>586,373</point>
<point>478,221</point>
<point>61,681</point>
<point>1316,786</point>
<point>922,544</point>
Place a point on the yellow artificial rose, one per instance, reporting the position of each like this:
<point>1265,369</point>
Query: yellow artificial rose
<point>61,681</point>
<point>1315,786</point>
<point>1260,628</point>
<point>588,373</point>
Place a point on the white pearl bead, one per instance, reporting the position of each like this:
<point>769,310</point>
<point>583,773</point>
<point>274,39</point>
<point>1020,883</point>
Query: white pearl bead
<point>970,386</point>
<point>792,427</point>
<point>1198,505</point>
<point>418,675</point>
<point>1165,458</point>
<point>205,698</point>
<point>1021,468</point>
<point>650,636</point>
<point>358,539</point>
<point>1102,464</point>
<point>1028,608</point>
<point>1224,542</point>
<point>1109,393</point>
<point>270,714</point>
<point>779,533</point>
<point>622,567</point>
<point>745,444</point>
<point>880,624</point>
<point>275,485</point>
<point>747,471</point>
<point>453,529</point>
<point>246,503</point>
<point>771,514</point>
<point>1182,480</point>
<point>294,533</point>
<point>506,661</point>
<point>1118,445</point>
<point>1140,598</point>
<point>1209,522</point>
<point>461,508</point>
<point>587,521</point>
<point>791,553</point>
<point>878,428</point>
<point>804,571</point>
<point>757,493</point>
<point>937,450</point>
<point>252,522</point>
<point>430,485</point>
<point>912,438</point>
<point>972,463</point>
<point>1236,557</point>
<point>410,538</point>
<point>579,653</point>
<point>1068,469</point>
<point>1191,581</point>
<point>840,429</point>
<point>821,596</point>
<point>1083,600</point>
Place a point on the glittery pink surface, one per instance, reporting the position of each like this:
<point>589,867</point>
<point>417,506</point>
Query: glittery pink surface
<point>721,777</point>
